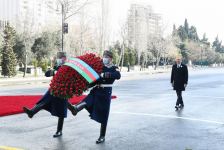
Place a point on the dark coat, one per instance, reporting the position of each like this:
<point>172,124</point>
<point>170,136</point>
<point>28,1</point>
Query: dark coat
<point>179,76</point>
<point>56,106</point>
<point>51,72</point>
<point>99,98</point>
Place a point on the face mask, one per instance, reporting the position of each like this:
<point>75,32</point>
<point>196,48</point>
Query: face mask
<point>106,61</point>
<point>59,62</point>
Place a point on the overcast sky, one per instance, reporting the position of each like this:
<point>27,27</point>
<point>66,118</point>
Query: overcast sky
<point>206,15</point>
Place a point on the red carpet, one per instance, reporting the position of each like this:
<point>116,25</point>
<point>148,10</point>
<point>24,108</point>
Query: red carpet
<point>13,104</point>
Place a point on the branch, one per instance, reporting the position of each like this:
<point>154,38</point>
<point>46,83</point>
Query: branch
<point>60,1</point>
<point>77,10</point>
<point>49,6</point>
<point>73,1</point>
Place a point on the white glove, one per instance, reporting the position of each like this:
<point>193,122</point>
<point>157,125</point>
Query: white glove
<point>101,75</point>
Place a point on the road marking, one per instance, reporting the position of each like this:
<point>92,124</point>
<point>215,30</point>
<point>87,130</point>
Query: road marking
<point>9,148</point>
<point>186,95</point>
<point>216,97</point>
<point>170,117</point>
<point>198,96</point>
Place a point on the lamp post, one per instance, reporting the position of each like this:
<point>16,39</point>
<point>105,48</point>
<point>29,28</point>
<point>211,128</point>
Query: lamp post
<point>62,23</point>
<point>64,26</point>
<point>65,7</point>
<point>62,30</point>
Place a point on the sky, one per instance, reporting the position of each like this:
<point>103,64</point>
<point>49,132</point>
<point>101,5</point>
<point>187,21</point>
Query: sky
<point>206,15</point>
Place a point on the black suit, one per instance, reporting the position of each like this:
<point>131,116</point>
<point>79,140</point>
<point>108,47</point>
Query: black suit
<point>179,77</point>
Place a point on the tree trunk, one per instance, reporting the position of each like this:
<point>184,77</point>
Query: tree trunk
<point>156,63</point>
<point>25,62</point>
<point>155,67</point>
<point>24,71</point>
<point>122,59</point>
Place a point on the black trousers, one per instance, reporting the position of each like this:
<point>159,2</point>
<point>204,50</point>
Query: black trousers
<point>103,129</point>
<point>179,98</point>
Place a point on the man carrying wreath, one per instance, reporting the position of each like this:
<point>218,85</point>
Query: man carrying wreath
<point>66,83</point>
<point>97,103</point>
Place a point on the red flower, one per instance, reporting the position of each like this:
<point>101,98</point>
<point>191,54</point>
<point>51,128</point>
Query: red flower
<point>67,82</point>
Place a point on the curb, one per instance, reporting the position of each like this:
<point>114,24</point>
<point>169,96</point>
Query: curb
<point>27,80</point>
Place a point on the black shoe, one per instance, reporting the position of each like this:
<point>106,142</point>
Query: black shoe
<point>28,112</point>
<point>100,140</point>
<point>182,106</point>
<point>73,109</point>
<point>176,107</point>
<point>34,110</point>
<point>57,134</point>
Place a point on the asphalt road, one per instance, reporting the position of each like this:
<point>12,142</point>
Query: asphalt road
<point>142,118</point>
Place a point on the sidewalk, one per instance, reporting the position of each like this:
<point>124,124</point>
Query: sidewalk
<point>125,75</point>
<point>139,74</point>
<point>26,79</point>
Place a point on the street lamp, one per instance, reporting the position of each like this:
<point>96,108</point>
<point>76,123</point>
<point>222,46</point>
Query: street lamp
<point>63,24</point>
<point>62,30</point>
<point>65,6</point>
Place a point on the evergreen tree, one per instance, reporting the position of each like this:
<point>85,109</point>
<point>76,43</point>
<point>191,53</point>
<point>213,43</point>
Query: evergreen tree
<point>8,56</point>
<point>19,50</point>
<point>42,46</point>
<point>183,51</point>
<point>217,45</point>
<point>126,58</point>
<point>221,49</point>
<point>115,55</point>
<point>186,26</point>
<point>192,34</point>
<point>204,40</point>
<point>192,48</point>
<point>116,50</point>
<point>129,57</point>
<point>174,33</point>
<point>182,33</point>
<point>57,40</point>
<point>132,57</point>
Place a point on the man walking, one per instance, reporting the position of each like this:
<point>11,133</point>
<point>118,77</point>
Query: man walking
<point>179,80</point>
<point>98,100</point>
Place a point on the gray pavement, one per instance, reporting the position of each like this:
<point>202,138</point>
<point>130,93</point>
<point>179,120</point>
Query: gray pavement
<point>142,118</point>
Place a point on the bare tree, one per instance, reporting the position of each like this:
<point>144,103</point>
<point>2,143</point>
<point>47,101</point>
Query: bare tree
<point>81,38</point>
<point>171,51</point>
<point>86,32</point>
<point>26,32</point>
<point>68,8</point>
<point>101,25</point>
<point>157,47</point>
<point>104,25</point>
<point>124,38</point>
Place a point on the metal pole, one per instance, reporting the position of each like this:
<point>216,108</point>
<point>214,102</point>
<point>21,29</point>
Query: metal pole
<point>102,27</point>
<point>62,30</point>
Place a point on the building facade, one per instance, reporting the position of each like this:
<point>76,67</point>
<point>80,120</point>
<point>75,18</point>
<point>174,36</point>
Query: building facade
<point>23,14</point>
<point>143,25</point>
